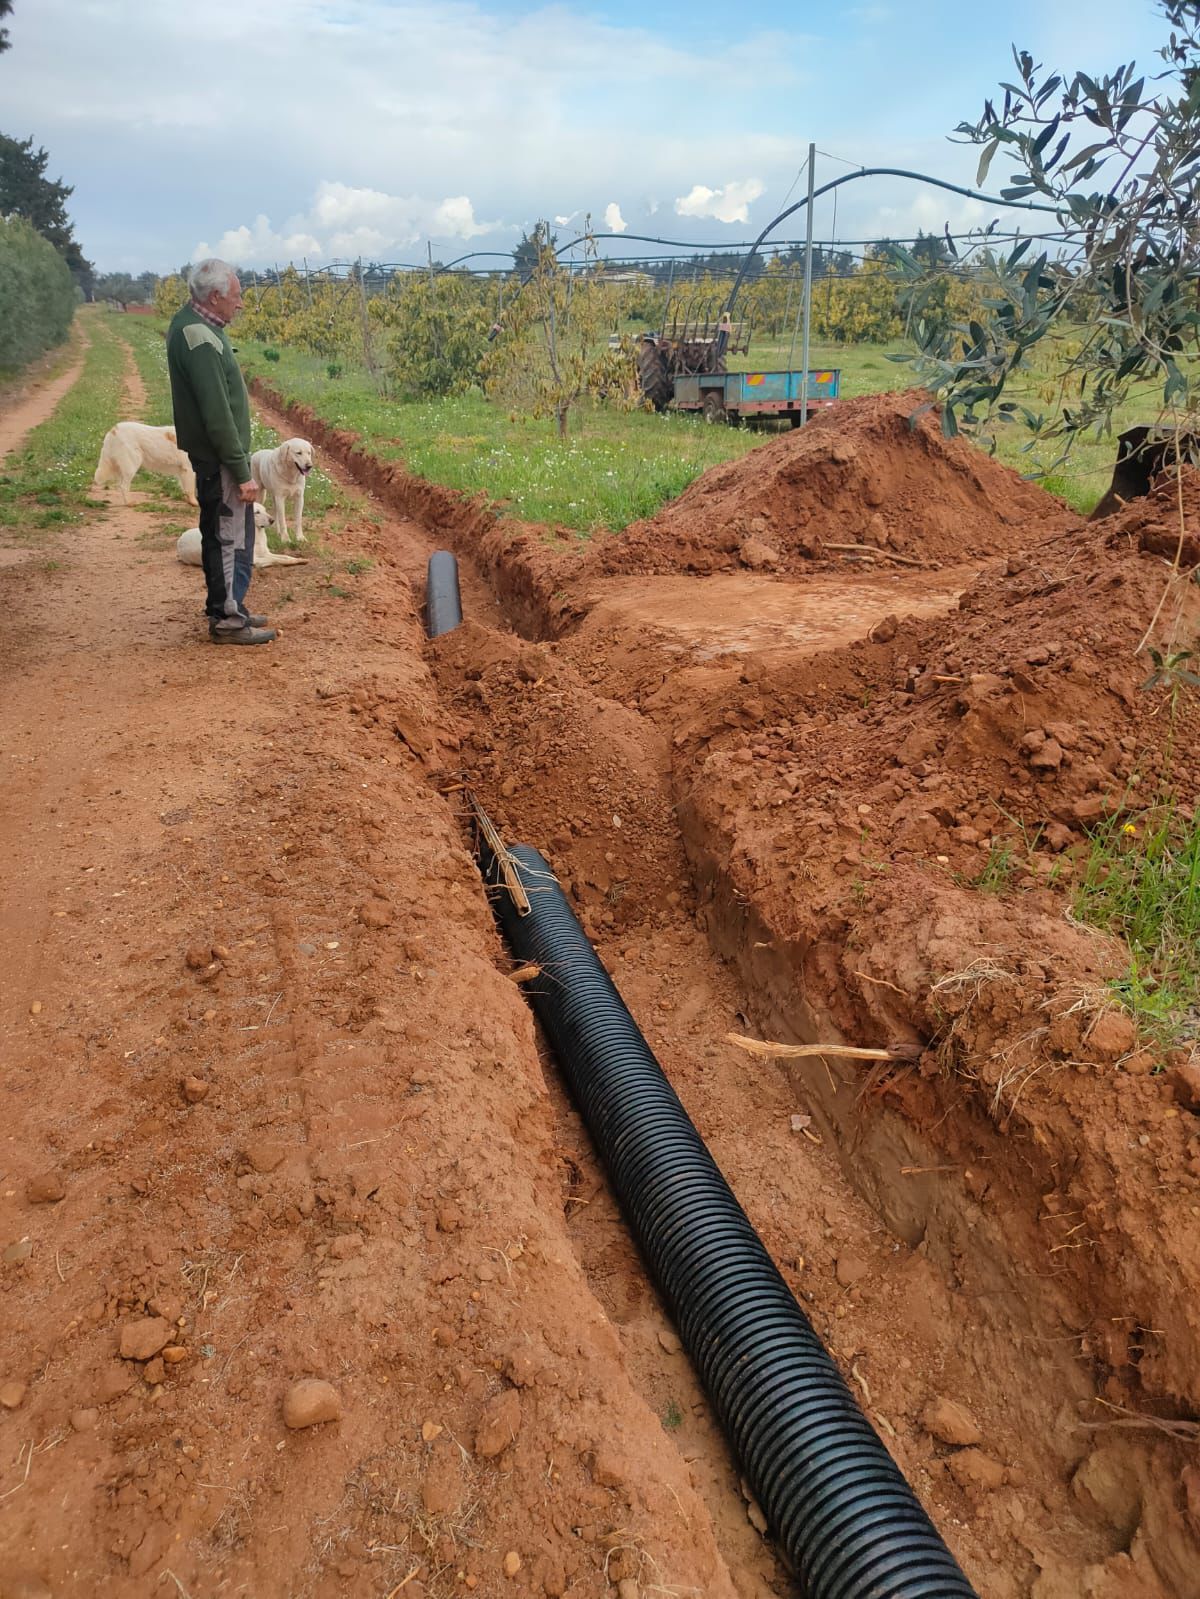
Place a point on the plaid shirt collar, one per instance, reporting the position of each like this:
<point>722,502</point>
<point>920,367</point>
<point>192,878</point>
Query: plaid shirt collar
<point>213,321</point>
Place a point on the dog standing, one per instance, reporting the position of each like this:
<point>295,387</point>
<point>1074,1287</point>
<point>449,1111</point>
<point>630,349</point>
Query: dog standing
<point>132,447</point>
<point>282,473</point>
<point>187,547</point>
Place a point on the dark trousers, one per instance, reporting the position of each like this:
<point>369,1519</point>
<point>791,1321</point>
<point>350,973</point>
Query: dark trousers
<point>226,545</point>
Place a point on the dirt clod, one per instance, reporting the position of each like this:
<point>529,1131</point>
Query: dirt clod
<point>309,1402</point>
<point>12,1393</point>
<point>195,1090</point>
<point>142,1340</point>
<point>45,1189</point>
<point>512,1563</point>
<point>499,1424</point>
<point>950,1423</point>
<point>972,1469</point>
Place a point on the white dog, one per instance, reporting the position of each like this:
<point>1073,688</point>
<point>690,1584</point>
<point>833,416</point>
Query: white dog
<point>131,447</point>
<point>187,547</point>
<point>282,473</point>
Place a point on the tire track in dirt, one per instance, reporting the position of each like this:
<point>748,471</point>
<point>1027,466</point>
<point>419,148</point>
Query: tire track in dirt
<point>17,423</point>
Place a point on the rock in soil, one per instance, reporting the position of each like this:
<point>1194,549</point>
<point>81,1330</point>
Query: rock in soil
<point>46,1189</point>
<point>142,1340</point>
<point>311,1401</point>
<point>12,1393</point>
<point>499,1424</point>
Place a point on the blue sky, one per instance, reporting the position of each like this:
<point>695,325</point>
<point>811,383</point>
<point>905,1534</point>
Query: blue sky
<point>269,130</point>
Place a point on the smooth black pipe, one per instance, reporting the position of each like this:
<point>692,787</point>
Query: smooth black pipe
<point>848,1524</point>
<point>443,604</point>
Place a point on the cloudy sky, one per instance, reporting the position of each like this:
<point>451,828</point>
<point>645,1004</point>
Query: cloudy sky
<point>272,130</point>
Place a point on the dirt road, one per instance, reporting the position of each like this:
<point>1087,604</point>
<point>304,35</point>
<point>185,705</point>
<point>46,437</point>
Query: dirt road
<point>277,1112</point>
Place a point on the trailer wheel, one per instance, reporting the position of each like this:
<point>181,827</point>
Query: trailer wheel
<point>714,408</point>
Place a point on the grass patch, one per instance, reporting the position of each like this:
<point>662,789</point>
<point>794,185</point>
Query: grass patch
<point>45,484</point>
<point>613,469</point>
<point>145,338</point>
<point>1142,882</point>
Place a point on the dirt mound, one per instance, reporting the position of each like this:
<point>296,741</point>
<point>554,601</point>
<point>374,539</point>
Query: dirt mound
<point>1166,522</point>
<point>863,473</point>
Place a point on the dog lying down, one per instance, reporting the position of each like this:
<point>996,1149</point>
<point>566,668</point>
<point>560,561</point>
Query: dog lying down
<point>133,447</point>
<point>188,545</point>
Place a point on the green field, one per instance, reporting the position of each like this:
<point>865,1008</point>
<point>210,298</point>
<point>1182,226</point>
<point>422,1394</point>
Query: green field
<point>45,484</point>
<point>614,466</point>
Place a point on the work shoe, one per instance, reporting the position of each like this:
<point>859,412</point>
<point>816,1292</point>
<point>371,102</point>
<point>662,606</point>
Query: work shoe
<point>241,635</point>
<point>254,621</point>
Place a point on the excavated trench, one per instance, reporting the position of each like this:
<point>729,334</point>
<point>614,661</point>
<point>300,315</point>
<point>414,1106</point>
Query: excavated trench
<point>964,1351</point>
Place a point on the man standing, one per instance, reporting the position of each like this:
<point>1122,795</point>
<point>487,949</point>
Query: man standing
<point>212,425</point>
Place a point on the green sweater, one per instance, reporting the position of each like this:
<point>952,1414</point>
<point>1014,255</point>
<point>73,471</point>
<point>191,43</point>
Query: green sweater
<point>208,394</point>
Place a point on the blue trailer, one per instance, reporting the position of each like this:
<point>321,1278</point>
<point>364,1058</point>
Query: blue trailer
<point>737,396</point>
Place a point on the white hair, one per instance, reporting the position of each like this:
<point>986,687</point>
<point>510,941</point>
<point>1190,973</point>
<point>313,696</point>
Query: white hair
<point>209,277</point>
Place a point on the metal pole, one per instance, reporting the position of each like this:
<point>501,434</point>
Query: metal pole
<point>812,161</point>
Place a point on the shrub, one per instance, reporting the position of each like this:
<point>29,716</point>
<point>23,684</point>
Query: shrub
<point>36,292</point>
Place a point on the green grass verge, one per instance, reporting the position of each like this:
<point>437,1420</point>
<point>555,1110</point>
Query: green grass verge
<point>1142,882</point>
<point>144,336</point>
<point>45,484</point>
<point>612,469</point>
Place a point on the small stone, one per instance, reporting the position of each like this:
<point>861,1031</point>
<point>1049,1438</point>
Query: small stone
<point>36,1008</point>
<point>154,1371</point>
<point>754,1515</point>
<point>512,1563</point>
<point>850,1269</point>
<point>84,1420</point>
<point>669,1340</point>
<point>884,631</point>
<point>18,1252</point>
<point>1058,836</point>
<point>12,1393</point>
<point>142,1340</point>
<point>309,1402</point>
<point>174,1353</point>
<point>46,1189</point>
<point>431,1430</point>
<point>971,1468</point>
<point>195,1089</point>
<point>198,957</point>
<point>499,1424</point>
<point>950,1423</point>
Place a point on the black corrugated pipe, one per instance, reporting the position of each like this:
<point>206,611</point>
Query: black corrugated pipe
<point>845,1519</point>
<point>443,606</point>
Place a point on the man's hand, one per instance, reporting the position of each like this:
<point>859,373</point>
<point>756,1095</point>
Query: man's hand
<point>248,492</point>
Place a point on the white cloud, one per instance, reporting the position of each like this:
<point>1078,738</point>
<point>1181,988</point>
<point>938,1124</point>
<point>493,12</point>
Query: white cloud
<point>344,222</point>
<point>730,204</point>
<point>565,222</point>
<point>613,220</point>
